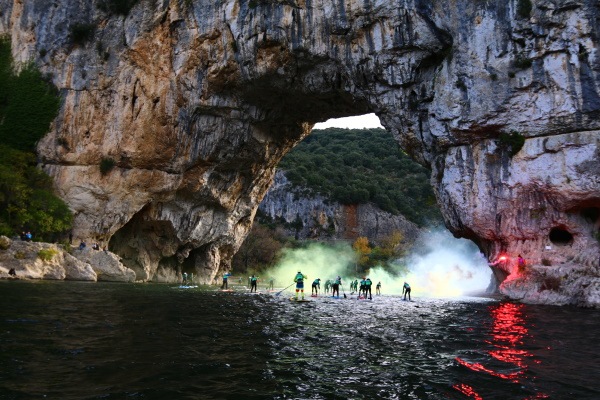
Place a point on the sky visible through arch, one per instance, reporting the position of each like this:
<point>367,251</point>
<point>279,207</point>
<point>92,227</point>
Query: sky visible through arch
<point>366,121</point>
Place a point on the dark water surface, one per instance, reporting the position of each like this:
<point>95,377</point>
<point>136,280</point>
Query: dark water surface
<point>66,340</point>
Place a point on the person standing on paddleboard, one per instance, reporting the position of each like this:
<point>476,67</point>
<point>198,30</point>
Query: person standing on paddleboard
<point>336,286</point>
<point>406,290</point>
<point>368,284</point>
<point>316,285</point>
<point>253,283</point>
<point>225,276</point>
<point>362,293</point>
<point>299,279</point>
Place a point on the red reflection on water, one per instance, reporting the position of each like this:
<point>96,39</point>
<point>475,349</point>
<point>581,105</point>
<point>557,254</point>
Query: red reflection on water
<point>508,331</point>
<point>477,367</point>
<point>467,391</point>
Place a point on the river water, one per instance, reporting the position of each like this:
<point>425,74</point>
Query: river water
<point>69,340</point>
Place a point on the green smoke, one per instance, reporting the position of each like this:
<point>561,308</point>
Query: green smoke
<point>316,260</point>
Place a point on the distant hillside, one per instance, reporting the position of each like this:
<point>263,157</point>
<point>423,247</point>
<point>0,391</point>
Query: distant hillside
<point>354,166</point>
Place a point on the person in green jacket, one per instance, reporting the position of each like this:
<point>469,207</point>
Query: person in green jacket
<point>253,283</point>
<point>226,275</point>
<point>316,285</point>
<point>368,284</point>
<point>299,279</point>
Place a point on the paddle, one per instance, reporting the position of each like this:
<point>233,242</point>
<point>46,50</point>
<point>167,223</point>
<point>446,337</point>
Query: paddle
<point>278,293</point>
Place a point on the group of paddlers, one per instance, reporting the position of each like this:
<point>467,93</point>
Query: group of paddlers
<point>333,285</point>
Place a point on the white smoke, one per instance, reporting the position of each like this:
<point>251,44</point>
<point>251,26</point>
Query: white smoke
<point>442,266</point>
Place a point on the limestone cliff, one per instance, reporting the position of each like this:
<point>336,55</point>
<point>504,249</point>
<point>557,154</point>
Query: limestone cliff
<point>195,102</point>
<point>312,216</point>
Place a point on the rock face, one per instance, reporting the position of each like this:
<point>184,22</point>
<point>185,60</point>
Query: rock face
<point>195,102</point>
<point>32,260</point>
<point>311,216</point>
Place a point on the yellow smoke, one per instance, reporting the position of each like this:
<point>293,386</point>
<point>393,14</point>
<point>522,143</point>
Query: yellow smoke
<point>317,260</point>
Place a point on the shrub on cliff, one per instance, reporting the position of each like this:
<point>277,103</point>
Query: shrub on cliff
<point>28,104</point>
<point>46,254</point>
<point>513,142</point>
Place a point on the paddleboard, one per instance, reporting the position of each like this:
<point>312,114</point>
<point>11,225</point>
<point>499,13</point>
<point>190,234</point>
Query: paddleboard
<point>313,295</point>
<point>299,300</point>
<point>187,287</point>
<point>227,290</point>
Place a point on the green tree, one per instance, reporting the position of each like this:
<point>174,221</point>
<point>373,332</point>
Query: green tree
<point>28,104</point>
<point>359,166</point>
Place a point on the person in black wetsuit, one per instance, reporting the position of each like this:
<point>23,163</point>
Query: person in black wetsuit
<point>336,286</point>
<point>253,282</point>
<point>316,285</point>
<point>368,284</point>
<point>406,290</point>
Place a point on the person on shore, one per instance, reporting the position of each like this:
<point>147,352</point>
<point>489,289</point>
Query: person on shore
<point>378,288</point>
<point>316,285</point>
<point>271,284</point>
<point>253,283</point>
<point>82,245</point>
<point>520,262</point>
<point>226,275</point>
<point>406,290</point>
<point>299,279</point>
<point>12,272</point>
<point>184,275</point>
<point>336,286</point>
<point>327,286</point>
<point>368,284</point>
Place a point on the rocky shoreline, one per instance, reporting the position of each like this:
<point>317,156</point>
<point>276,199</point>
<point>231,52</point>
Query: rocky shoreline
<point>38,260</point>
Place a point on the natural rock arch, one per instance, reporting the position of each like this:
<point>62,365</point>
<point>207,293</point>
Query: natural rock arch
<point>196,102</point>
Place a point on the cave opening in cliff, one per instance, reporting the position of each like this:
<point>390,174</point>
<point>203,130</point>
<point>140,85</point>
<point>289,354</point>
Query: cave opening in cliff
<point>560,236</point>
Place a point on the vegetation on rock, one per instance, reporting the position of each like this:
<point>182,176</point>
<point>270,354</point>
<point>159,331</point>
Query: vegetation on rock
<point>47,254</point>
<point>513,142</point>
<point>360,166</point>
<point>28,104</point>
<point>106,165</point>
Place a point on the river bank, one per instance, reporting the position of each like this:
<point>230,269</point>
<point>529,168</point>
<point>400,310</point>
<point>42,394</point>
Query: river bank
<point>49,261</point>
